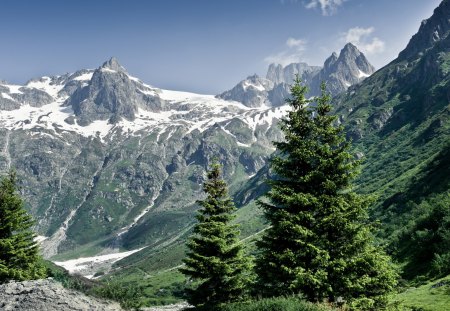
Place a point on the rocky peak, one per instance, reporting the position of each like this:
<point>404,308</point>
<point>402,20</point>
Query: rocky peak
<point>279,74</point>
<point>275,73</point>
<point>252,92</point>
<point>351,57</point>
<point>340,72</point>
<point>330,61</point>
<point>350,49</point>
<point>432,30</point>
<point>111,94</point>
<point>113,64</point>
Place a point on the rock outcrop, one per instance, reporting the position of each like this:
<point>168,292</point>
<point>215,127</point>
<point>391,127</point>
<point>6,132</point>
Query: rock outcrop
<point>48,295</point>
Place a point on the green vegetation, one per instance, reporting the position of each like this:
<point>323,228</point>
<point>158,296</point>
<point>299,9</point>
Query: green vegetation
<point>431,296</point>
<point>19,253</point>
<point>426,241</point>
<point>272,304</point>
<point>319,243</point>
<point>399,119</point>
<point>215,260</point>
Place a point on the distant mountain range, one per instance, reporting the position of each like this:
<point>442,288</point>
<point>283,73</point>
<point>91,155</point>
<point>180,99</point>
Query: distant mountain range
<point>338,72</point>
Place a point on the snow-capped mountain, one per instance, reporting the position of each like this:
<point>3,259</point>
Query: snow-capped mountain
<point>102,154</point>
<point>96,102</point>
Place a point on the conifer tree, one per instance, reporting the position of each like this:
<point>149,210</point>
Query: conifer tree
<point>215,261</point>
<point>319,244</point>
<point>19,258</point>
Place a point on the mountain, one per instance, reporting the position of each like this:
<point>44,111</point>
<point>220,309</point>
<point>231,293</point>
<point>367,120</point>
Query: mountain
<point>279,74</point>
<point>431,32</point>
<point>107,161</point>
<point>399,120</point>
<point>341,72</point>
<point>338,72</point>
<point>252,92</point>
<point>112,94</point>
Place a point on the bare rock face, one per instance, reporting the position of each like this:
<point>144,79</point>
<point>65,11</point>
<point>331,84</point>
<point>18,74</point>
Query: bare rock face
<point>252,92</point>
<point>48,295</point>
<point>341,72</point>
<point>432,31</point>
<point>111,94</point>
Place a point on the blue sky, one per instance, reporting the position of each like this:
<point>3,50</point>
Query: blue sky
<point>204,46</point>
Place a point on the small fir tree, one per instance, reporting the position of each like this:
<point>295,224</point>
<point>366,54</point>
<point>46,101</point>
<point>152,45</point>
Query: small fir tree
<point>19,253</point>
<point>319,244</point>
<point>215,260</point>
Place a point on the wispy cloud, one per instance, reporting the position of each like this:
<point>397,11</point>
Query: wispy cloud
<point>292,52</point>
<point>328,7</point>
<point>363,38</point>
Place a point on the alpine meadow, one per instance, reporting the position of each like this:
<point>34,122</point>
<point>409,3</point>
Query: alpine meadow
<point>319,182</point>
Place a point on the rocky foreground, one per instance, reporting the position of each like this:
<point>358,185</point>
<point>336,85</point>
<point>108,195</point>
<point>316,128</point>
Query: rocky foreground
<point>49,295</point>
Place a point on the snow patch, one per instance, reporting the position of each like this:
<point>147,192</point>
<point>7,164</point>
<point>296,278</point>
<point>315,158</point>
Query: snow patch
<point>5,95</point>
<point>40,238</point>
<point>108,70</point>
<point>45,84</point>
<point>76,265</point>
<point>14,89</point>
<point>147,92</point>
<point>247,84</point>
<point>362,74</point>
<point>84,77</point>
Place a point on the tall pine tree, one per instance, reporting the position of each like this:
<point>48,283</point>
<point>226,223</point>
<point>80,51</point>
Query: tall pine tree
<point>319,244</point>
<point>215,260</point>
<point>19,258</point>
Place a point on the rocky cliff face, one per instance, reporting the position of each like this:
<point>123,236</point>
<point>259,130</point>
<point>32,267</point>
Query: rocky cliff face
<point>431,31</point>
<point>252,92</point>
<point>279,74</point>
<point>111,94</point>
<point>341,72</point>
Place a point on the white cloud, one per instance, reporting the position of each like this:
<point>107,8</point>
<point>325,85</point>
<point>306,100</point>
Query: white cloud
<point>291,54</point>
<point>363,39</point>
<point>328,7</point>
<point>292,42</point>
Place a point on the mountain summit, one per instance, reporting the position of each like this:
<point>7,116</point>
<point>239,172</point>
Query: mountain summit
<point>111,94</point>
<point>341,72</point>
<point>113,64</point>
<point>431,31</point>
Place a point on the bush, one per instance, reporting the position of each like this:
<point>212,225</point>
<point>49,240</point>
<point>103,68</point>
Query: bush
<point>128,296</point>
